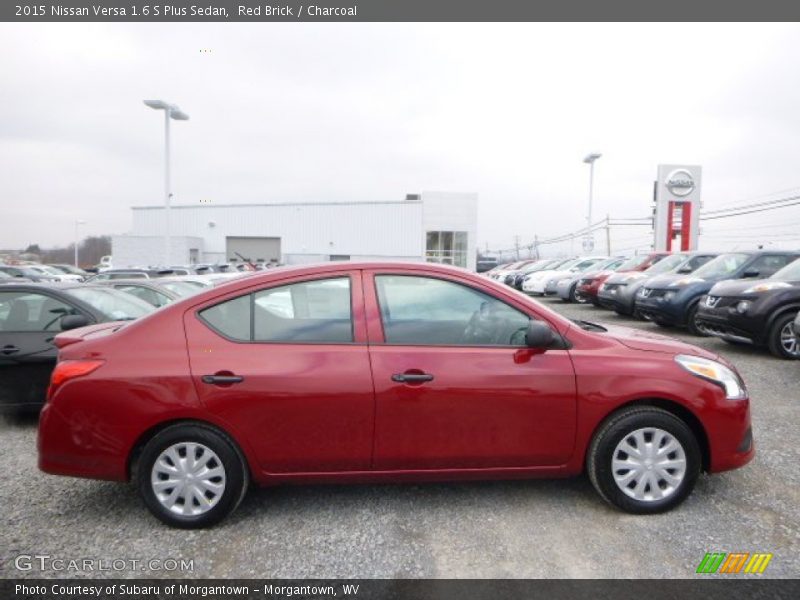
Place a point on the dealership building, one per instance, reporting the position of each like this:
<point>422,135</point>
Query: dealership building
<point>431,226</point>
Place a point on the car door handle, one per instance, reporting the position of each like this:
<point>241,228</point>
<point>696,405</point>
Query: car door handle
<point>411,377</point>
<point>9,349</point>
<point>222,379</point>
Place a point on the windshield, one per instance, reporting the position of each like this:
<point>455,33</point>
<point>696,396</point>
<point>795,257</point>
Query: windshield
<point>722,265</point>
<point>561,265</point>
<point>115,305</point>
<point>181,288</point>
<point>790,272</point>
<point>667,264</point>
<point>539,266</point>
<point>634,262</point>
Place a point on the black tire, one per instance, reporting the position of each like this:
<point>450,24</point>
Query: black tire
<point>623,424</point>
<point>575,297</point>
<point>691,321</point>
<point>236,476</point>
<point>774,339</point>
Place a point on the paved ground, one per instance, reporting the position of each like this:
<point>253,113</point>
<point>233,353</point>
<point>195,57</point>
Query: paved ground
<point>508,529</point>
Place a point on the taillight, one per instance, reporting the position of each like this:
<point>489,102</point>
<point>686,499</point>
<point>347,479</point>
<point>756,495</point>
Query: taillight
<point>70,369</point>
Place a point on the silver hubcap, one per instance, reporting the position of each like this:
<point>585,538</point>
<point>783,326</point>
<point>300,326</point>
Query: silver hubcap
<point>648,464</point>
<point>789,340</point>
<point>188,479</point>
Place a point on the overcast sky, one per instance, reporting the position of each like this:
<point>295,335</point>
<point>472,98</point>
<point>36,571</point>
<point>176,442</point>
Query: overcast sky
<point>331,112</point>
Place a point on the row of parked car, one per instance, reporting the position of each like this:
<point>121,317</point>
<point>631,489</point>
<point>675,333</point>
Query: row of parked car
<point>38,301</point>
<point>740,297</point>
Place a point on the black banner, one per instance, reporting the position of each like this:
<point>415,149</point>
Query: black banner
<point>678,11</point>
<point>423,589</point>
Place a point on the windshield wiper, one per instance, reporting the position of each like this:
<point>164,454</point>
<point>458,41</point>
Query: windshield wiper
<point>588,326</point>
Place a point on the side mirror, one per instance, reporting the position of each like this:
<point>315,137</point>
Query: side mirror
<point>539,335</point>
<point>73,322</point>
<point>751,273</point>
<point>684,270</point>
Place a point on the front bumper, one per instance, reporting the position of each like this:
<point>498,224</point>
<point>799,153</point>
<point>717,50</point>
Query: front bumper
<point>666,310</point>
<point>563,288</point>
<point>617,297</point>
<point>730,436</point>
<point>724,321</point>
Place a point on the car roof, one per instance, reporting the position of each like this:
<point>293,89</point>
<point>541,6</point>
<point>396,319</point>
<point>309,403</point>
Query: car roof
<point>57,286</point>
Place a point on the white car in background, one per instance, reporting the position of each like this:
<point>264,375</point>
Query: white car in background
<point>538,281</point>
<point>53,272</point>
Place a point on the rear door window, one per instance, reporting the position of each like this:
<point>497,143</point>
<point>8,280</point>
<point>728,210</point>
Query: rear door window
<point>318,311</point>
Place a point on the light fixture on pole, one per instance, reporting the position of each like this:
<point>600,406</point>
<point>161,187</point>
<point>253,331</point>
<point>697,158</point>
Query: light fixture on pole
<point>588,240</point>
<point>78,222</point>
<point>171,111</point>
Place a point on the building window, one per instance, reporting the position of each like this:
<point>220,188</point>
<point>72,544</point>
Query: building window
<point>447,247</point>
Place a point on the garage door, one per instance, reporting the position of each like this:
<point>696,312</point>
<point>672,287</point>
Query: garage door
<point>253,249</point>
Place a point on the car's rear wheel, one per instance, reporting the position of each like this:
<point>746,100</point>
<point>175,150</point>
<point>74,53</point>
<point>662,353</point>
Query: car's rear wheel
<point>191,476</point>
<point>644,460</point>
<point>782,340</point>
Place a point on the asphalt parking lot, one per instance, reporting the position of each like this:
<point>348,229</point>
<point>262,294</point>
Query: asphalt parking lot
<point>558,528</point>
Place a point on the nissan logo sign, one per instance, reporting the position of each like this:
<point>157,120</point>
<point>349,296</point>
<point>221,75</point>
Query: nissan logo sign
<point>680,183</point>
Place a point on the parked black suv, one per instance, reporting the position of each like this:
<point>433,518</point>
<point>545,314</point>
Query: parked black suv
<point>760,312</point>
<point>671,300</point>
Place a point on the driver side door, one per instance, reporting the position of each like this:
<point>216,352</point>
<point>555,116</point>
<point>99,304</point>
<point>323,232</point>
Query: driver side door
<point>28,323</point>
<point>455,386</point>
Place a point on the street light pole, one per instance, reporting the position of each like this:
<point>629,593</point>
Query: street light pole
<point>588,241</point>
<point>171,111</point>
<point>77,223</point>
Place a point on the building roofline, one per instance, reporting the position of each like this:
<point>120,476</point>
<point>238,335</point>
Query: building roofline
<point>243,205</point>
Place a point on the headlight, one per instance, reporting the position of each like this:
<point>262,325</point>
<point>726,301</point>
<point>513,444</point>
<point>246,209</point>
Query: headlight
<point>685,281</point>
<point>765,287</point>
<point>716,373</point>
<point>742,306</point>
<point>669,295</point>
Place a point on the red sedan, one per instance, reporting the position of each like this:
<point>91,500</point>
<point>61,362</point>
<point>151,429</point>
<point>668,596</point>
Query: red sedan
<point>383,372</point>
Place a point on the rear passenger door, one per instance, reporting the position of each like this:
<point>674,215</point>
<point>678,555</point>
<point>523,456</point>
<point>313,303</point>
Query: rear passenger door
<point>287,367</point>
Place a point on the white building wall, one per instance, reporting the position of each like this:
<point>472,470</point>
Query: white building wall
<point>451,211</point>
<point>365,228</point>
<point>148,251</point>
<point>309,232</point>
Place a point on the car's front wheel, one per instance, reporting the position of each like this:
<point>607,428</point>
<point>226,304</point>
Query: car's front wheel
<point>644,460</point>
<point>191,476</point>
<point>782,340</point>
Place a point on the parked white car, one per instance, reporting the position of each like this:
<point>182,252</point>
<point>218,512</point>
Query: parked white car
<point>53,272</point>
<point>537,283</point>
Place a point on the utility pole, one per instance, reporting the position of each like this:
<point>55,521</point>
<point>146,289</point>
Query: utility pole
<point>516,245</point>
<point>608,235</point>
<point>536,245</point>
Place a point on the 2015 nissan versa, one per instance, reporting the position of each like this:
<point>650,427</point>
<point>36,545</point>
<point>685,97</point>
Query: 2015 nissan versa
<point>366,372</point>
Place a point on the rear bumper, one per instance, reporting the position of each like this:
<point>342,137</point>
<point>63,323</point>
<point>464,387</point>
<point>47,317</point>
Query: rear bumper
<point>80,447</point>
